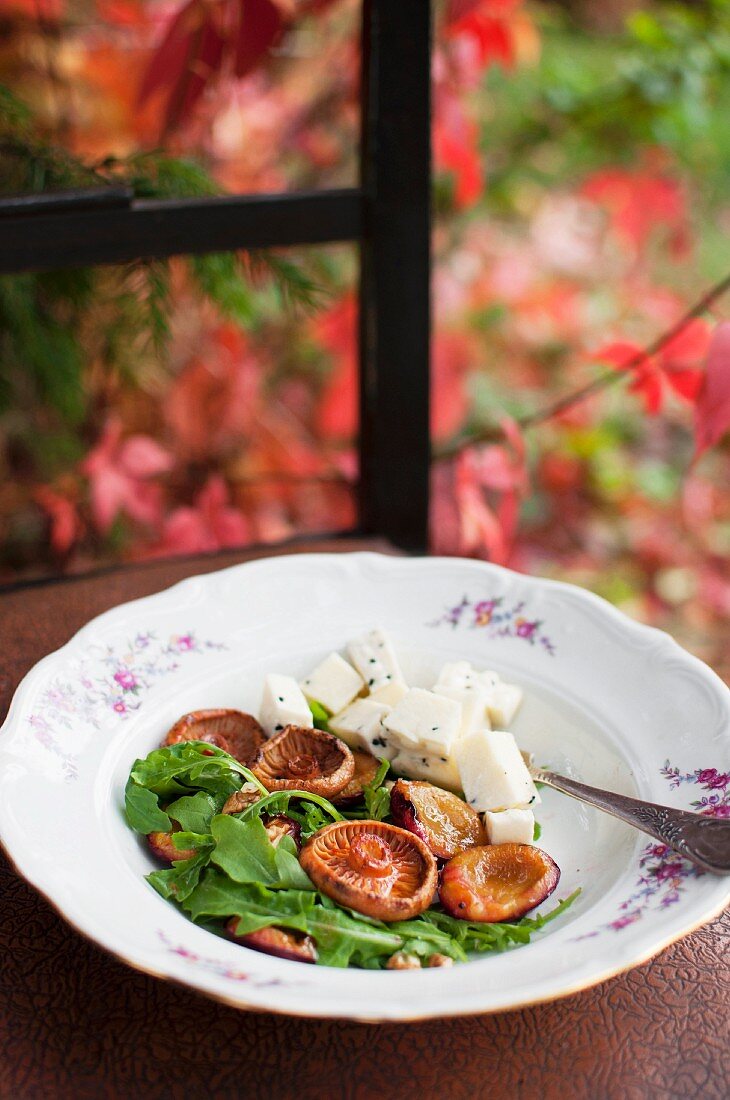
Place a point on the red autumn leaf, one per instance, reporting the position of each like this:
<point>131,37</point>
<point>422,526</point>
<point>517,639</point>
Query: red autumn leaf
<point>712,410</point>
<point>336,330</point>
<point>201,38</point>
<point>681,357</point>
<point>212,523</point>
<point>487,23</point>
<point>459,155</point>
<point>647,378</point>
<point>451,357</point>
<point>65,522</point>
<point>261,25</point>
<point>637,202</point>
<point>120,473</point>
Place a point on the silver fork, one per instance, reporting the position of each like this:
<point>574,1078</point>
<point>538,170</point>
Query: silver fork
<point>703,840</point>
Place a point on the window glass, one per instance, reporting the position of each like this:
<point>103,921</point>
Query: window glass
<point>152,410</point>
<point>263,95</point>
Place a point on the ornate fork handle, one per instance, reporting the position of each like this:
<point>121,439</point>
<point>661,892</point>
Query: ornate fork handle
<point>703,840</point>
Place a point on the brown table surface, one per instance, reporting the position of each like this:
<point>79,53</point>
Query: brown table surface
<point>76,1023</point>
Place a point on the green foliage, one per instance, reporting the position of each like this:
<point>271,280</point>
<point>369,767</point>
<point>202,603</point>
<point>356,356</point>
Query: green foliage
<point>664,81</point>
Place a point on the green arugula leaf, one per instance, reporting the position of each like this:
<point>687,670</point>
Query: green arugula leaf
<point>243,850</point>
<point>341,939</point>
<point>142,810</point>
<point>292,875</point>
<point>174,769</point>
<point>377,797</point>
<point>184,840</point>
<point>194,812</point>
<point>216,895</point>
<point>176,883</point>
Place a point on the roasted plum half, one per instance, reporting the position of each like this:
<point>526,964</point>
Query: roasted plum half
<point>366,767</point>
<point>498,882</point>
<point>281,942</point>
<point>231,730</point>
<point>443,820</point>
<point>305,760</point>
<point>163,847</point>
<point>372,867</point>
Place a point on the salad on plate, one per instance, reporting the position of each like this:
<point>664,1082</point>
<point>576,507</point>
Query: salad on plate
<point>357,821</point>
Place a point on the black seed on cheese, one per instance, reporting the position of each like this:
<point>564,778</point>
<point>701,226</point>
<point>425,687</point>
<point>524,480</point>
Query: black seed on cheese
<point>370,683</point>
<point>445,759</point>
<point>278,727</point>
<point>373,661</point>
<point>280,698</point>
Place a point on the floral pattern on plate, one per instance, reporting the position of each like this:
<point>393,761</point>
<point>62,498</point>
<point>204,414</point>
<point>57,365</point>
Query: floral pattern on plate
<point>498,620</point>
<point>663,875</point>
<point>108,682</point>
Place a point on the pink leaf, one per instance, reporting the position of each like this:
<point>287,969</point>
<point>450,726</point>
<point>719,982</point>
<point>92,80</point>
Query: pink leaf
<point>712,411</point>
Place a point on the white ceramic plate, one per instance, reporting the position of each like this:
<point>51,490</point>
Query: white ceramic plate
<point>611,702</point>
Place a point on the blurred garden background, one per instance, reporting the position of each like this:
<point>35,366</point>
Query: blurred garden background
<point>581,366</point>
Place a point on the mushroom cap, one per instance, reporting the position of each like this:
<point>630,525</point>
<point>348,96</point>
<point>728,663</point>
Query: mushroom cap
<point>366,767</point>
<point>443,820</point>
<point>372,867</point>
<point>236,733</point>
<point>304,760</point>
<point>282,942</point>
<point>497,882</point>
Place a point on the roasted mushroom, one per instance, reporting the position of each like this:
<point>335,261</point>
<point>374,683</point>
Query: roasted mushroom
<point>366,767</point>
<point>305,760</point>
<point>279,825</point>
<point>498,882</point>
<point>276,941</point>
<point>446,823</point>
<point>163,847</point>
<point>231,730</point>
<point>377,869</point>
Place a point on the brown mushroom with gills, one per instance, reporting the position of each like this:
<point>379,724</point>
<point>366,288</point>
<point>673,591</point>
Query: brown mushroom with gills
<point>443,820</point>
<point>372,867</point>
<point>238,734</point>
<point>366,768</point>
<point>282,942</point>
<point>498,882</point>
<point>304,760</point>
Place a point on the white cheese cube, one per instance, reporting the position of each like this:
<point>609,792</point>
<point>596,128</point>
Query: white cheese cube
<point>462,676</point>
<point>510,826</point>
<point>474,702</point>
<point>333,683</point>
<point>374,658</point>
<point>455,675</point>
<point>493,773</point>
<point>434,768</point>
<point>425,720</point>
<point>503,704</point>
<point>360,725</point>
<point>283,704</point>
<point>391,693</point>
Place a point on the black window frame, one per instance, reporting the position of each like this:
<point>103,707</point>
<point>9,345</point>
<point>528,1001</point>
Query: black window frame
<point>387,216</point>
